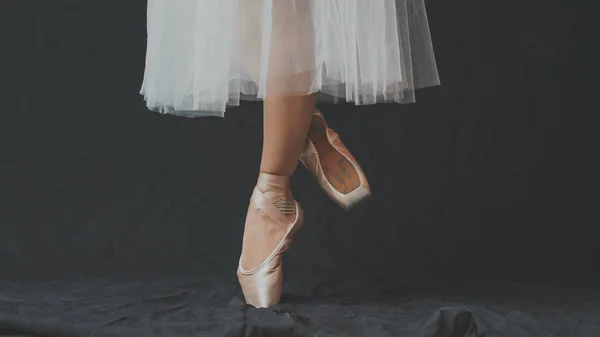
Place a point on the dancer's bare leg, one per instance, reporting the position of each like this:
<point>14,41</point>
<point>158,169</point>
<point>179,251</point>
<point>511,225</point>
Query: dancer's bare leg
<point>289,103</point>
<point>286,124</point>
<point>273,215</point>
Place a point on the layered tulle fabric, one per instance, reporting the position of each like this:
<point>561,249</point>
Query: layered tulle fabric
<point>206,55</point>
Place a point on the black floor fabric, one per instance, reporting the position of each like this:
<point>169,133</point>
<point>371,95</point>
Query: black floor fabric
<point>188,306</point>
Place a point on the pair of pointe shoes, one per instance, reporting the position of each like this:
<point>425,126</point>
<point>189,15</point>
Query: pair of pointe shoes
<point>274,217</point>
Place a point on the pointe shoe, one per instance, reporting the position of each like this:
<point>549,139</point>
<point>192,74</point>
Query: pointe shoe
<point>336,170</point>
<point>268,234</point>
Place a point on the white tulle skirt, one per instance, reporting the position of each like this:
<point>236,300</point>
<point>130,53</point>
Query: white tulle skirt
<point>206,55</point>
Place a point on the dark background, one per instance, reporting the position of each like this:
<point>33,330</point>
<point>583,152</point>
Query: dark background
<point>488,177</point>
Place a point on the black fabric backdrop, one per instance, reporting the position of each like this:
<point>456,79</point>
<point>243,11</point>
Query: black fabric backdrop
<point>117,221</point>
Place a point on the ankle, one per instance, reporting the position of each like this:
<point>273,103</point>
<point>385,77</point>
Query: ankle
<point>273,181</point>
<point>279,168</point>
<point>277,189</point>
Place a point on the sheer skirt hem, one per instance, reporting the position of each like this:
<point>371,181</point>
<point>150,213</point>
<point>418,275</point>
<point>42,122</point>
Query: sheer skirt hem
<point>204,56</point>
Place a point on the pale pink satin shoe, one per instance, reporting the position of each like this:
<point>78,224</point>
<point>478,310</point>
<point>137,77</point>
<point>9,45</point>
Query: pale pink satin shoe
<point>268,233</point>
<point>336,170</point>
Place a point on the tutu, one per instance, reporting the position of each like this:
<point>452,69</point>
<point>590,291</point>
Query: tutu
<point>206,55</point>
